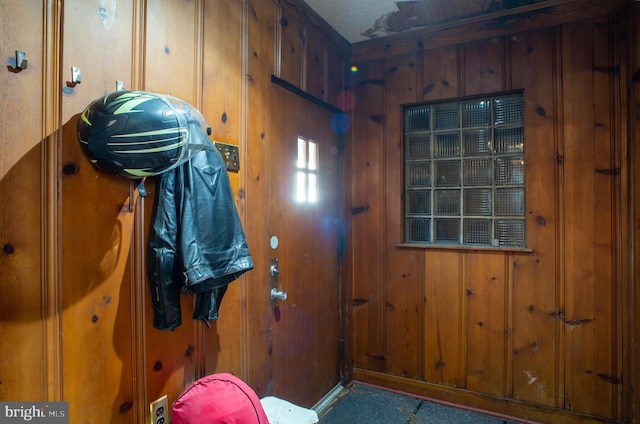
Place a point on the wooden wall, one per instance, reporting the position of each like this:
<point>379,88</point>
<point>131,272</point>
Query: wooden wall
<point>541,334</point>
<point>76,317</point>
<point>544,335</point>
<point>634,171</point>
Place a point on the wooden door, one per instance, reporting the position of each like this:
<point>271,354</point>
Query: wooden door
<point>305,326</point>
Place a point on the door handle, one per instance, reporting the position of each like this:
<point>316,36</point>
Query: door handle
<point>276,295</point>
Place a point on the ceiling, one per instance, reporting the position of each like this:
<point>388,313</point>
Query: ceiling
<point>362,20</point>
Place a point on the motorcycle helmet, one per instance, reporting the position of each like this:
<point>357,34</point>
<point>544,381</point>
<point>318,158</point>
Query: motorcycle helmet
<point>137,134</point>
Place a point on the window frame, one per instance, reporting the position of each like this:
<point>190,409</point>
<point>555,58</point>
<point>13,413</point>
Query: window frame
<point>307,172</point>
<point>462,218</point>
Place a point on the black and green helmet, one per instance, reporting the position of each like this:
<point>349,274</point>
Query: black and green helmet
<point>138,134</point>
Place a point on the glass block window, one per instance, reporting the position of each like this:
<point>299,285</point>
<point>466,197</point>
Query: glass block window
<point>464,172</point>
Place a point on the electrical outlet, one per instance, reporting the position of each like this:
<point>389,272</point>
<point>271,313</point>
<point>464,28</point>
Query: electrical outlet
<point>160,411</point>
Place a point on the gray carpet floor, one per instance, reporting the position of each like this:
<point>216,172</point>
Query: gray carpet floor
<point>363,404</point>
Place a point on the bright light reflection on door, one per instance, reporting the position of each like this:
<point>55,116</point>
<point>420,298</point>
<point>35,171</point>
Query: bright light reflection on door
<point>307,173</point>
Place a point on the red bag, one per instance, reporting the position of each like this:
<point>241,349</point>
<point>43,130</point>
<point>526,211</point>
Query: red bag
<point>218,399</point>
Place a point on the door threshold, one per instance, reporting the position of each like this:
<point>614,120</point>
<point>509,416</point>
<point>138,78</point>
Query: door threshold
<point>323,404</point>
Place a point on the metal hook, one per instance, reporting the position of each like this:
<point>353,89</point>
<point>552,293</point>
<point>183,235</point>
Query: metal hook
<point>21,62</point>
<point>76,78</point>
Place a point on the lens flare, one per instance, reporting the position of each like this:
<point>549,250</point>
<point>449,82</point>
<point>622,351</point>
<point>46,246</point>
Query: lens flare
<point>346,100</point>
<point>340,123</point>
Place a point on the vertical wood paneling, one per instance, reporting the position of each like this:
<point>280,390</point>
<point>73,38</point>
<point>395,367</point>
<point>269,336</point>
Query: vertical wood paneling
<point>99,68</point>
<point>96,226</point>
<point>222,107</point>
<point>621,123</point>
<point>16,18</point>
<point>538,326</point>
<point>315,66</point>
<point>170,55</point>
<point>171,59</point>
<point>588,254</point>
<point>632,402</point>
<point>444,337</point>
<point>95,284</point>
<point>486,276</point>
<point>222,61</point>
<point>261,17</point>
<point>486,331</point>
<point>484,66</point>
<point>366,209</point>
<point>292,42</point>
<point>104,357</point>
<point>440,73</point>
<point>50,235</point>
<point>22,328</point>
<point>444,352</point>
<point>403,278</point>
<point>338,76</point>
<point>609,207</point>
<point>436,300</point>
<point>535,288</point>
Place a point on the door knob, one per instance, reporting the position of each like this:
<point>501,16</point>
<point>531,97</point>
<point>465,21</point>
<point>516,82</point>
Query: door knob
<point>276,295</point>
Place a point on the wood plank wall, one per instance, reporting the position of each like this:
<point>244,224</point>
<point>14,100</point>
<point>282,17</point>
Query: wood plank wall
<point>540,335</point>
<point>74,303</point>
<point>633,370</point>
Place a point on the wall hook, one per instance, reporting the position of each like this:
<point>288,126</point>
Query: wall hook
<point>76,78</point>
<point>21,62</point>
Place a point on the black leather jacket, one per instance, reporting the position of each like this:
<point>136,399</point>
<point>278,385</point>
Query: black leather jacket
<point>196,242</point>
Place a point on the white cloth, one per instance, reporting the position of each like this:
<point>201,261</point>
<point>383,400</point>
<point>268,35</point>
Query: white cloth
<point>280,411</point>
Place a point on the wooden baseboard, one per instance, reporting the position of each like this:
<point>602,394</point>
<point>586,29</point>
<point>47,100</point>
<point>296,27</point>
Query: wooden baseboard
<point>510,409</point>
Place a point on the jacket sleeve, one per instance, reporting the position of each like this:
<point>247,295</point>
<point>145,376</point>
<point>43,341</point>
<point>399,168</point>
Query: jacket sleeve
<point>208,304</point>
<point>163,265</point>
